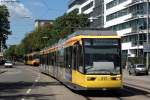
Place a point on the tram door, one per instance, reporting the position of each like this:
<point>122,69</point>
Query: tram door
<point>68,63</point>
<point>55,64</point>
<point>74,57</point>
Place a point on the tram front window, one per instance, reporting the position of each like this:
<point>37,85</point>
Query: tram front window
<point>102,56</point>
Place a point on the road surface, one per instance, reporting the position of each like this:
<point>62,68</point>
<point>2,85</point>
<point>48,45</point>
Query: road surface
<point>26,83</point>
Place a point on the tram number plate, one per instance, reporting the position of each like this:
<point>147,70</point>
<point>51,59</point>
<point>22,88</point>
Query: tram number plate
<point>103,78</point>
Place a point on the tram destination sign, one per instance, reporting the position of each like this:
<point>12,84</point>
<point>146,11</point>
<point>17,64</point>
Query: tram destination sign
<point>146,47</point>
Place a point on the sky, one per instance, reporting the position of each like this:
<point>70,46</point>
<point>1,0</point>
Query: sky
<point>23,13</point>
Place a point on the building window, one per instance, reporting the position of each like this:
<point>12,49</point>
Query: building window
<point>114,3</point>
<point>117,14</point>
<point>87,6</point>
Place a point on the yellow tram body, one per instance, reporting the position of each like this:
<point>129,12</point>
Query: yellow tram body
<point>83,77</point>
<point>32,59</point>
<point>97,81</point>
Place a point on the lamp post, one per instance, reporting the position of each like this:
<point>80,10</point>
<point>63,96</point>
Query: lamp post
<point>147,36</point>
<point>45,38</point>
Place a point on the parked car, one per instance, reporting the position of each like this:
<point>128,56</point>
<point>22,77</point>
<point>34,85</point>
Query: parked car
<point>138,69</point>
<point>8,63</point>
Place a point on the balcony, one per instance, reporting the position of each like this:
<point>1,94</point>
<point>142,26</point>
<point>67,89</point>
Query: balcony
<point>134,2</point>
<point>137,15</point>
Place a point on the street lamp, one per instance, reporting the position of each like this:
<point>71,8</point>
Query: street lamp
<point>45,38</point>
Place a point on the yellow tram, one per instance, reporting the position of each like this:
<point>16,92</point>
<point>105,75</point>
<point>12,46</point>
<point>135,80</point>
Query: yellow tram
<point>87,59</point>
<point>32,59</point>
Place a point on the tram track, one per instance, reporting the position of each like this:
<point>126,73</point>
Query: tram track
<point>103,94</point>
<point>128,91</point>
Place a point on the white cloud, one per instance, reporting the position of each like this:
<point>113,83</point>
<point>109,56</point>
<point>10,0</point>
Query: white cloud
<point>16,9</point>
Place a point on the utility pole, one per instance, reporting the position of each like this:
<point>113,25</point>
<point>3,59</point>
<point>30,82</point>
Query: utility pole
<point>147,39</point>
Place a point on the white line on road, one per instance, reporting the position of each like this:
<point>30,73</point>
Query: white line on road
<point>29,90</point>
<point>36,80</point>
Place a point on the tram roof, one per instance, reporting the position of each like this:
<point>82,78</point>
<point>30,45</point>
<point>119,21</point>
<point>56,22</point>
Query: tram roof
<point>84,32</point>
<point>97,32</point>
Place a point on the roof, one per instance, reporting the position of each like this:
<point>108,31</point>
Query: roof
<point>98,32</point>
<point>84,32</point>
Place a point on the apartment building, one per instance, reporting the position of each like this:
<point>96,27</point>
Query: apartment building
<point>128,18</point>
<point>93,8</point>
<point>39,22</point>
<point>81,6</point>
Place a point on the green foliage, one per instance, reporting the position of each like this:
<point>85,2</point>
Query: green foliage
<point>49,34</point>
<point>35,40</point>
<point>10,52</point>
<point>68,23</point>
<point>4,24</point>
<point>14,51</point>
<point>62,26</point>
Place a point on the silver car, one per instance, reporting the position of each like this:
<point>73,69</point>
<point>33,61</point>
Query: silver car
<point>8,63</point>
<point>138,69</point>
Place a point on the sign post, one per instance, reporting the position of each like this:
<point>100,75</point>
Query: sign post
<point>146,48</point>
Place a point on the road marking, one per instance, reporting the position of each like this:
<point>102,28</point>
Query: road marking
<point>36,80</point>
<point>29,90</point>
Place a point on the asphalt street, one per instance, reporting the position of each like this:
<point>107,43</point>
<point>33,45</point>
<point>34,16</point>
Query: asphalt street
<point>26,83</point>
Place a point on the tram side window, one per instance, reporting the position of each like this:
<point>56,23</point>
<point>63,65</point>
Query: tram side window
<point>60,58</point>
<point>52,57</point>
<point>55,58</point>
<point>30,58</point>
<point>74,57</point>
<point>68,59</point>
<point>44,59</point>
<point>41,59</point>
<point>49,59</point>
<point>80,59</point>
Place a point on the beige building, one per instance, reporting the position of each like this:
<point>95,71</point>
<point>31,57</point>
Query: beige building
<point>39,22</point>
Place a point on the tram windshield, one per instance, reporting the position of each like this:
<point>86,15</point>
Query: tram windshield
<point>102,56</point>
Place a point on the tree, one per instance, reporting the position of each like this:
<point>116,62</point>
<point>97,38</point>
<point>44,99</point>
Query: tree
<point>61,28</point>
<point>34,41</point>
<point>4,25</point>
<point>9,53</point>
<point>68,23</point>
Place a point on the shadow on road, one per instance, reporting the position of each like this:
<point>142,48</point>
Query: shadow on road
<point>30,97</point>
<point>14,91</point>
<point>125,92</point>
